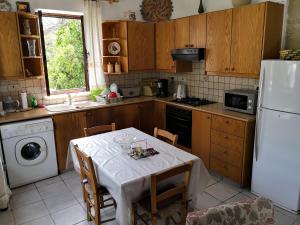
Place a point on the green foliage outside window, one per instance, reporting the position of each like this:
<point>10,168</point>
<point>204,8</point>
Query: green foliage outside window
<point>65,57</point>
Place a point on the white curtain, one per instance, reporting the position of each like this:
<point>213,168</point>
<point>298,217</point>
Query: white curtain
<point>5,193</point>
<point>93,33</point>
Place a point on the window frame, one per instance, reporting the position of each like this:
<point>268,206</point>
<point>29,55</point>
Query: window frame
<point>42,14</point>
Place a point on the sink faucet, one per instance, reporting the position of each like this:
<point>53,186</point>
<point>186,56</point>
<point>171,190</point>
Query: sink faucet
<point>69,99</point>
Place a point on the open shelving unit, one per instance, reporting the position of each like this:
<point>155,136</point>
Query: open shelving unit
<point>33,65</point>
<point>115,31</point>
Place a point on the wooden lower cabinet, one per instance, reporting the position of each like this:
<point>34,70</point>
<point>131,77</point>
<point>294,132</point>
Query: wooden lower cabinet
<point>67,127</point>
<point>126,116</point>
<point>98,117</point>
<point>201,127</point>
<point>146,117</point>
<point>225,145</point>
<point>159,115</point>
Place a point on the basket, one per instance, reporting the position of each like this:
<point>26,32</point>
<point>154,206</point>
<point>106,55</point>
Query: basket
<point>290,54</point>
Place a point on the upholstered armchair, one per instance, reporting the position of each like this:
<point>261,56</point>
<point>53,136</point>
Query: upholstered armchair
<point>250,212</point>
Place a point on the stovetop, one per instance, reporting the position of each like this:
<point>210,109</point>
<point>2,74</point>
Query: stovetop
<point>193,101</point>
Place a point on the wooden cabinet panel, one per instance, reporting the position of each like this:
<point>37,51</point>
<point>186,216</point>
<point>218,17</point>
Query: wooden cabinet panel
<point>218,42</point>
<point>198,31</point>
<point>182,32</point>
<point>146,117</point>
<point>98,117</point>
<point>67,127</point>
<point>227,125</point>
<point>232,157</point>
<point>159,115</point>
<point>227,141</point>
<point>164,45</point>
<point>11,59</point>
<point>141,47</point>
<point>201,135</point>
<point>126,116</point>
<point>247,39</point>
<point>226,170</point>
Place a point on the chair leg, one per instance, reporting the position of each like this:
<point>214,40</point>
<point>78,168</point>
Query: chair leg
<point>153,219</point>
<point>97,207</point>
<point>134,215</point>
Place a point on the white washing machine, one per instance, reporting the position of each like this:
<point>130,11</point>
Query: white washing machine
<point>29,151</point>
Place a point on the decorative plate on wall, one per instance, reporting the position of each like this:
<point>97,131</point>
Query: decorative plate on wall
<point>5,5</point>
<point>114,48</point>
<point>156,10</point>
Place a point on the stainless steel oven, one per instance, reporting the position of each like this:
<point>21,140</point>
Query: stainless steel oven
<point>241,100</point>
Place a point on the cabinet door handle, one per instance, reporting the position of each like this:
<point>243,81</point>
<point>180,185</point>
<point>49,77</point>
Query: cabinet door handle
<point>208,117</point>
<point>225,152</point>
<point>232,69</point>
<point>191,46</point>
<point>226,69</point>
<point>186,46</point>
<point>226,137</point>
<point>227,122</point>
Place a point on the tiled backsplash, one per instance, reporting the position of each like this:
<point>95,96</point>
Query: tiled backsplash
<point>198,84</point>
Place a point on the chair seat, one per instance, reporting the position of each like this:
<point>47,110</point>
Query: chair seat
<point>101,189</point>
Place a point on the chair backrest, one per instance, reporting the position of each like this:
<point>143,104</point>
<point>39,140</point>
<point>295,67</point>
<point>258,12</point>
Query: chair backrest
<point>87,172</point>
<point>174,191</point>
<point>166,135</point>
<point>99,129</point>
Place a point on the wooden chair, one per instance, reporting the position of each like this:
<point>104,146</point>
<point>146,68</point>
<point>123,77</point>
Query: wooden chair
<point>99,129</point>
<point>93,193</point>
<point>165,135</point>
<point>167,202</point>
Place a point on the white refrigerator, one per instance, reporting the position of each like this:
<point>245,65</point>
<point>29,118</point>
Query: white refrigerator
<point>276,159</point>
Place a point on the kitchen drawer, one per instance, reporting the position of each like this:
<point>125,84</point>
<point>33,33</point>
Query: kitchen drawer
<point>229,142</point>
<point>225,169</point>
<point>230,126</point>
<point>232,157</point>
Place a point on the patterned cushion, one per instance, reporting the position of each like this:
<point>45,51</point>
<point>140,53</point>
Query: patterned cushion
<point>250,212</point>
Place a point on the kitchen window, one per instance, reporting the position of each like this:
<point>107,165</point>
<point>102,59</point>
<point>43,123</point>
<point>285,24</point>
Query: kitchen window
<point>65,57</point>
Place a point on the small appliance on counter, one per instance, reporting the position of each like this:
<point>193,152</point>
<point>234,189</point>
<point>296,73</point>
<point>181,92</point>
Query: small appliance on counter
<point>241,100</point>
<point>131,92</point>
<point>110,95</point>
<point>10,105</point>
<point>162,88</point>
<point>181,91</point>
<point>149,87</point>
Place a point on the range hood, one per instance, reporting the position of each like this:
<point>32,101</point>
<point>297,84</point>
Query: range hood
<point>188,54</point>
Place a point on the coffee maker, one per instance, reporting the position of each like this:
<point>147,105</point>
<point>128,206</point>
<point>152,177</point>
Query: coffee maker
<point>162,88</point>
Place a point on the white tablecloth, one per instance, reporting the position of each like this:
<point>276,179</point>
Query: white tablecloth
<point>127,178</point>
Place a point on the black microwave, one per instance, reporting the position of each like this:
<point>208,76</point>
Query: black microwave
<point>241,100</point>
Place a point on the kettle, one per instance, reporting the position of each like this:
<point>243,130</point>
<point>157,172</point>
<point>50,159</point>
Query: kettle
<point>181,91</point>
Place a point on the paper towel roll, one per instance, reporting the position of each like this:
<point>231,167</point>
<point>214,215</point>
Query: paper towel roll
<point>24,100</point>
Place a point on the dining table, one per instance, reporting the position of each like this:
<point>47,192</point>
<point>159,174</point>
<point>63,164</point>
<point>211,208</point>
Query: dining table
<point>126,178</point>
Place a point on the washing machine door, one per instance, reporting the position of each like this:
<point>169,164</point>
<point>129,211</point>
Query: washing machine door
<point>31,151</point>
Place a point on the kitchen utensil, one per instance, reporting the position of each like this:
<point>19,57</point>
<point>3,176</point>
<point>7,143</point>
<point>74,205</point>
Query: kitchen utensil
<point>181,91</point>
<point>125,140</point>
<point>131,92</point>
<point>114,48</point>
<point>162,88</point>
<point>31,47</point>
<point>110,68</point>
<point>117,67</point>
<point>11,105</point>
<point>24,101</point>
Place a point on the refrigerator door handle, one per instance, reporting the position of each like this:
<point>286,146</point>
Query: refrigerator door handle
<point>257,134</point>
<point>261,88</point>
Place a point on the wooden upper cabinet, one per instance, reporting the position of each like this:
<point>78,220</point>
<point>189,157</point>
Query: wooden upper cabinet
<point>11,58</point>
<point>198,31</point>
<point>164,45</point>
<point>141,49</point>
<point>218,42</point>
<point>182,32</point>
<point>247,37</point>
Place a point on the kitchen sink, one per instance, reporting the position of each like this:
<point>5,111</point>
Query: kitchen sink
<point>74,106</point>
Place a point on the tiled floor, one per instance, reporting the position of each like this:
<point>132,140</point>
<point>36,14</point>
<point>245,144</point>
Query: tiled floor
<point>58,201</point>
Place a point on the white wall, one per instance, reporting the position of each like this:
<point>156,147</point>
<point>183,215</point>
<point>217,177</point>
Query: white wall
<point>64,5</point>
<point>181,7</point>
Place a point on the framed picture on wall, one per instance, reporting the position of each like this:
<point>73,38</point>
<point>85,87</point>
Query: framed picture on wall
<point>23,6</point>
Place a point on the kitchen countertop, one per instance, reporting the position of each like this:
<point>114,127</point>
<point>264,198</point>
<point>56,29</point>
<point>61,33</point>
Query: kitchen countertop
<point>216,108</point>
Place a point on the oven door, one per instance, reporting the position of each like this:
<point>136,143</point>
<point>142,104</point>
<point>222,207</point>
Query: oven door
<point>236,102</point>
